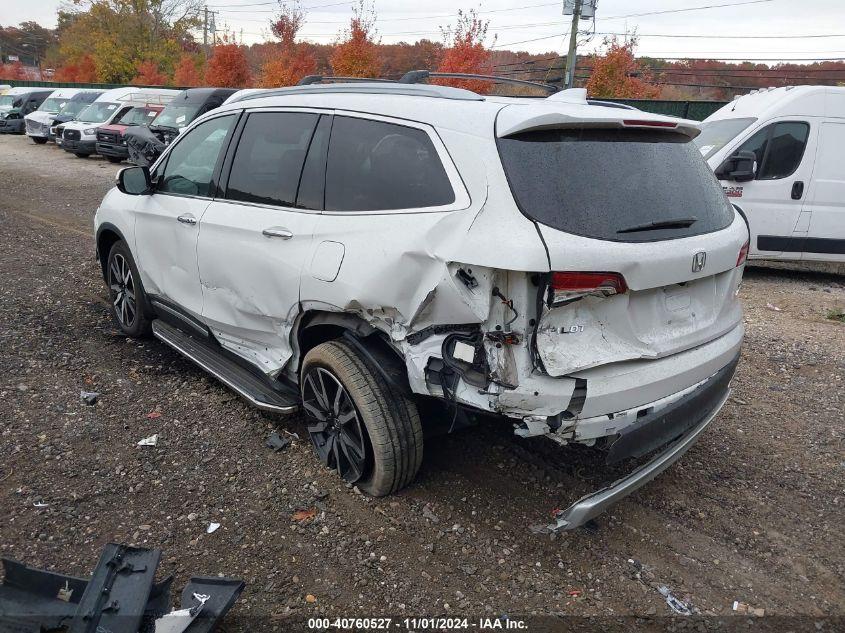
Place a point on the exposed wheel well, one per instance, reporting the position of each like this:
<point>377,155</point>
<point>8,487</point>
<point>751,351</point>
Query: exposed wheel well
<point>105,240</point>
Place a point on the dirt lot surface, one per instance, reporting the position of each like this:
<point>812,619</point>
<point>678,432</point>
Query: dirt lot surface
<point>754,512</point>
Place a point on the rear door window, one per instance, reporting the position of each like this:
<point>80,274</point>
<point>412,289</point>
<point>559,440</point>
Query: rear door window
<point>268,160</point>
<point>379,166</point>
<point>615,184</point>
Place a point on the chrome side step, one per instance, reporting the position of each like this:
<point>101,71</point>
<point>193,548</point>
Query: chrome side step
<point>246,384</point>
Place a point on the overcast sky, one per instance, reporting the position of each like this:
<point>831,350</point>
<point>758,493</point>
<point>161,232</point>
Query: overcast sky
<point>543,23</point>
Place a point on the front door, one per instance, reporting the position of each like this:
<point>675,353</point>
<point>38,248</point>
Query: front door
<point>256,238</point>
<point>167,222</point>
<point>774,200</point>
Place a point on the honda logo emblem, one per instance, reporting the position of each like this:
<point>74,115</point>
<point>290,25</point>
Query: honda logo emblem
<point>698,261</point>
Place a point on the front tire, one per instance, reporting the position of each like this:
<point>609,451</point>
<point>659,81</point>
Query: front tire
<point>360,425</point>
<point>114,159</point>
<point>81,155</point>
<point>126,292</point>
<point>38,140</point>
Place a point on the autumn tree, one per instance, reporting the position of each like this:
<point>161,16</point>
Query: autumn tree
<point>618,74</point>
<point>357,53</point>
<point>227,67</point>
<point>288,61</point>
<point>83,71</point>
<point>466,52</point>
<point>15,70</point>
<point>187,71</point>
<point>149,75</point>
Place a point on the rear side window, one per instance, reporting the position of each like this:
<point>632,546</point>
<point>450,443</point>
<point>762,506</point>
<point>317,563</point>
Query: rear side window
<point>779,148</point>
<point>269,158</point>
<point>623,185</point>
<point>377,166</point>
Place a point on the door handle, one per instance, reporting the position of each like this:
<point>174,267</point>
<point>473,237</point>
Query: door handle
<point>277,232</point>
<point>187,219</point>
<point>797,189</point>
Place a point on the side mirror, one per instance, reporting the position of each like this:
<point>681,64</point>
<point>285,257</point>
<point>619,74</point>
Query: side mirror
<point>135,181</point>
<point>740,167</point>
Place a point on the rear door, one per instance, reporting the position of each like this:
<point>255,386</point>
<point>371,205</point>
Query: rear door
<point>255,238</point>
<point>167,222</point>
<point>826,196</point>
<point>640,212</point>
<point>774,201</point>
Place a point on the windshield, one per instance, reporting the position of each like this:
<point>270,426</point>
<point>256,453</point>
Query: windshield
<point>716,134</point>
<point>137,116</point>
<point>177,116</point>
<point>53,105</point>
<point>97,112</point>
<point>73,108</point>
<point>614,184</point>
<point>8,101</point>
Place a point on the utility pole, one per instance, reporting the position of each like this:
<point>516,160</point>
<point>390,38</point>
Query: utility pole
<point>205,32</point>
<point>569,77</point>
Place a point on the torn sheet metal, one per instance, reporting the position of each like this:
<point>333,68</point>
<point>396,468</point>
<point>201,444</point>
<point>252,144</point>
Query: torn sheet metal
<point>144,146</point>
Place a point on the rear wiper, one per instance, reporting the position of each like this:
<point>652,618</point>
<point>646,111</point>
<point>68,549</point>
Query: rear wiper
<point>678,223</point>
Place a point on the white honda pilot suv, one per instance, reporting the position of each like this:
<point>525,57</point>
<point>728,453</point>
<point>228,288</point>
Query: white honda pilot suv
<point>364,251</point>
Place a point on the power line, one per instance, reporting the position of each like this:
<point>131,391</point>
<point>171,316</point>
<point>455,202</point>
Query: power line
<point>709,6</point>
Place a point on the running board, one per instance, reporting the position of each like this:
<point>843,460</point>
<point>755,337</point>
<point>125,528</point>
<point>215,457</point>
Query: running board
<point>251,387</point>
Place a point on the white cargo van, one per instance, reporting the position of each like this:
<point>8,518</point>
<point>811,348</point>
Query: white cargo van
<point>38,123</point>
<point>779,154</point>
<point>80,136</point>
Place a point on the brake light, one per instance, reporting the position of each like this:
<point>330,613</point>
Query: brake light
<point>647,123</point>
<point>743,254</point>
<point>573,285</point>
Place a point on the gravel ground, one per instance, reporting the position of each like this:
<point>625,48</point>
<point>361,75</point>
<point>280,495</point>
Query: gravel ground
<point>754,512</point>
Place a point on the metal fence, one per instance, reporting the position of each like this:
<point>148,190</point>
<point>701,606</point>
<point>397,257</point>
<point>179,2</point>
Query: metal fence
<point>698,110</point>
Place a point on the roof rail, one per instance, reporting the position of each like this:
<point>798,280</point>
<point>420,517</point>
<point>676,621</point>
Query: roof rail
<point>416,76</point>
<point>370,87</point>
<point>318,79</point>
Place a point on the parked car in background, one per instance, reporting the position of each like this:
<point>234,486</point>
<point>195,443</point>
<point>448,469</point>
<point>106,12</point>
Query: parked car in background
<point>111,142</point>
<point>4,88</point>
<point>38,123</point>
<point>145,145</point>
<point>80,136</point>
<point>16,104</point>
<point>363,250</point>
<point>779,153</point>
<point>72,108</point>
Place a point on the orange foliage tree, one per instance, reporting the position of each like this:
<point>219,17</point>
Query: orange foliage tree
<point>357,53</point>
<point>618,74</point>
<point>186,73</point>
<point>149,75</point>
<point>84,71</point>
<point>228,67</point>
<point>15,70</point>
<point>466,51</point>
<point>289,60</point>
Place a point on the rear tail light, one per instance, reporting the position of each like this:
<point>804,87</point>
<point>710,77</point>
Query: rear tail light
<point>743,254</point>
<point>574,285</point>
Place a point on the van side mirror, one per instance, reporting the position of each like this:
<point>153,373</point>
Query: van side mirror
<point>135,181</point>
<point>740,167</point>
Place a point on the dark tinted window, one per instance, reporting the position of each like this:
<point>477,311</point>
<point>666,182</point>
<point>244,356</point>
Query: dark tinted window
<point>375,166</point>
<point>190,165</point>
<point>269,158</point>
<point>313,180</point>
<point>758,143</point>
<point>786,147</point>
<point>604,183</point>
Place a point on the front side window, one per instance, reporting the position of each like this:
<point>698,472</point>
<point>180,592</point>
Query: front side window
<point>268,161</point>
<point>778,148</point>
<point>378,166</point>
<point>190,164</point>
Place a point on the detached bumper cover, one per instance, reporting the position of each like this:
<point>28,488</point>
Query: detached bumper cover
<point>685,420</point>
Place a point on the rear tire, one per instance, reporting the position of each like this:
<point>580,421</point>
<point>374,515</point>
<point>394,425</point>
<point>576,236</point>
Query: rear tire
<point>129,306</point>
<point>114,159</point>
<point>81,155</point>
<point>38,140</point>
<point>392,433</point>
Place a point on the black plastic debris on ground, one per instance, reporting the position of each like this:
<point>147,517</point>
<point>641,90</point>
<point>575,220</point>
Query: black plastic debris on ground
<point>277,442</point>
<point>120,597</point>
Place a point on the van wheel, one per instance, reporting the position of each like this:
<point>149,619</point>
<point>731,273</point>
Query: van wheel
<point>126,293</point>
<point>360,426</point>
<point>114,159</point>
<point>81,155</point>
<point>38,140</point>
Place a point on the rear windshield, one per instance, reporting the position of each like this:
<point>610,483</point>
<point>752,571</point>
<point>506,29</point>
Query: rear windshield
<point>716,134</point>
<point>623,185</point>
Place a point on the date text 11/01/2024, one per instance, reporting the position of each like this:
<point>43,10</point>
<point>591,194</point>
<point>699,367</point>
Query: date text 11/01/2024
<point>417,624</point>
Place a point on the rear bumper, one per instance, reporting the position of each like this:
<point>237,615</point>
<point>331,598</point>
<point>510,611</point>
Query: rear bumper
<point>685,420</point>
